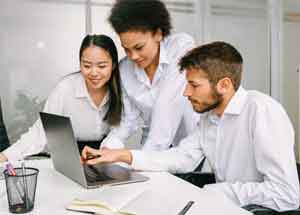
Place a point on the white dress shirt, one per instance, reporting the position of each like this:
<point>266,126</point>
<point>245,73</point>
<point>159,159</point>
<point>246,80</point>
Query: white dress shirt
<point>166,114</point>
<point>250,149</point>
<point>69,98</point>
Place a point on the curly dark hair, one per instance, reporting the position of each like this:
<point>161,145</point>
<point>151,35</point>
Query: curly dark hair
<point>218,60</point>
<point>140,15</point>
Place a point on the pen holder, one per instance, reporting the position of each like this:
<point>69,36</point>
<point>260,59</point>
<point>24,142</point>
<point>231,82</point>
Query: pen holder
<point>21,189</point>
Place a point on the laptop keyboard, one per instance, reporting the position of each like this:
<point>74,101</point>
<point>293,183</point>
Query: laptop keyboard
<point>93,174</point>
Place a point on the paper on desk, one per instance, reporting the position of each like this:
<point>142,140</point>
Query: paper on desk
<point>109,200</point>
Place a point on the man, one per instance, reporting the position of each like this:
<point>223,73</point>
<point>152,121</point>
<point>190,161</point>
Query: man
<point>4,143</point>
<point>246,136</point>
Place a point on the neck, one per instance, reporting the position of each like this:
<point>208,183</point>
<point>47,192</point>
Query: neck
<point>221,108</point>
<point>97,95</point>
<point>151,69</point>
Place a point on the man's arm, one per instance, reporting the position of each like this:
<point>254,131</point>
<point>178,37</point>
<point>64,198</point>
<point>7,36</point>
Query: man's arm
<point>274,156</point>
<point>183,158</point>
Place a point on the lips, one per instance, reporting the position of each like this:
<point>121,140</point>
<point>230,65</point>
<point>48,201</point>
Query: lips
<point>139,61</point>
<point>95,81</point>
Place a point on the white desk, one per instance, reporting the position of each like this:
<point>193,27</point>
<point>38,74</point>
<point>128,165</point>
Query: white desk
<point>55,191</point>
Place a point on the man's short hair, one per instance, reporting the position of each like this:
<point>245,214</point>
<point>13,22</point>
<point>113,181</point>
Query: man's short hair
<point>140,15</point>
<point>218,60</point>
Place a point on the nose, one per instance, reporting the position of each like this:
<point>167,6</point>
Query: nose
<point>133,56</point>
<point>94,71</point>
<point>187,91</point>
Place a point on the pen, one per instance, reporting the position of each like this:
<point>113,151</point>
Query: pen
<point>25,185</point>
<point>186,208</point>
<point>10,169</point>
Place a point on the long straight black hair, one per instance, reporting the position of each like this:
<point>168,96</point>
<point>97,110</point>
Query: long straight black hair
<point>113,115</point>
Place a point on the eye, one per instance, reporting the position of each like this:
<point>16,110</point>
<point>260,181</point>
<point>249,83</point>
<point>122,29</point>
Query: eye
<point>139,48</point>
<point>195,85</point>
<point>86,66</point>
<point>101,66</point>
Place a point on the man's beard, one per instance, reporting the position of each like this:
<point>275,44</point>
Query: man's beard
<point>210,107</point>
<point>217,100</point>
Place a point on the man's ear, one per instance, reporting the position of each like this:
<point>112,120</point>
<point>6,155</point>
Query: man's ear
<point>224,85</point>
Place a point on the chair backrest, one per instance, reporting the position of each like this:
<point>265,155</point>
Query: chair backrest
<point>4,142</point>
<point>298,170</point>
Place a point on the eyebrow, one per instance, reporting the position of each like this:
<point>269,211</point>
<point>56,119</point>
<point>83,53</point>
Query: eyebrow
<point>193,82</point>
<point>89,62</point>
<point>135,46</point>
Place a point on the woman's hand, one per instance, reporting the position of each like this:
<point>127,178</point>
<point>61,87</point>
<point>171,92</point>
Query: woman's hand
<point>92,156</point>
<point>3,158</point>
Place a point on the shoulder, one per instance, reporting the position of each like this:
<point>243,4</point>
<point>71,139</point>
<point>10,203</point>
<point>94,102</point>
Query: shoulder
<point>176,45</point>
<point>261,102</point>
<point>178,39</point>
<point>126,67</point>
<point>67,83</point>
<point>125,63</point>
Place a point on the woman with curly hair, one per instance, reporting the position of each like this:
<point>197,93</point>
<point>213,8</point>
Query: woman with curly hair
<point>151,81</point>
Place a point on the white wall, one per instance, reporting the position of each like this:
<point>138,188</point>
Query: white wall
<point>244,24</point>
<point>291,61</point>
<point>39,43</point>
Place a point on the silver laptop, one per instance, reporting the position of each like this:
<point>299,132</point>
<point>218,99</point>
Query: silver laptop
<point>66,158</point>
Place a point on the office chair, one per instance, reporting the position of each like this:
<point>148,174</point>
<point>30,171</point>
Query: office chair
<point>197,177</point>
<point>4,142</point>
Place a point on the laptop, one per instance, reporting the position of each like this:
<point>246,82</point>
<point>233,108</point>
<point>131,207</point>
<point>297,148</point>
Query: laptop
<point>66,158</point>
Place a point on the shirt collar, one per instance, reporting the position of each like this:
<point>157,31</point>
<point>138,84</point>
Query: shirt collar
<point>82,92</point>
<point>105,99</point>
<point>163,59</point>
<point>237,102</point>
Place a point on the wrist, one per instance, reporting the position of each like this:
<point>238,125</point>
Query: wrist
<point>125,156</point>
<point>3,158</point>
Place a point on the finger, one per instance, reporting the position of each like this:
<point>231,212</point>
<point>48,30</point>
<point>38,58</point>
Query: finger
<point>96,161</point>
<point>87,151</point>
<point>82,161</point>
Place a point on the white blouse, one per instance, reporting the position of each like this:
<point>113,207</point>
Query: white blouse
<point>159,108</point>
<point>69,98</point>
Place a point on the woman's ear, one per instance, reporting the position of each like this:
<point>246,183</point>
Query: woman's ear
<point>158,36</point>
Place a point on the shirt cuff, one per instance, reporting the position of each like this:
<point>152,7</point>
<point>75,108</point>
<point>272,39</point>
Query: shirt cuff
<point>12,154</point>
<point>137,160</point>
